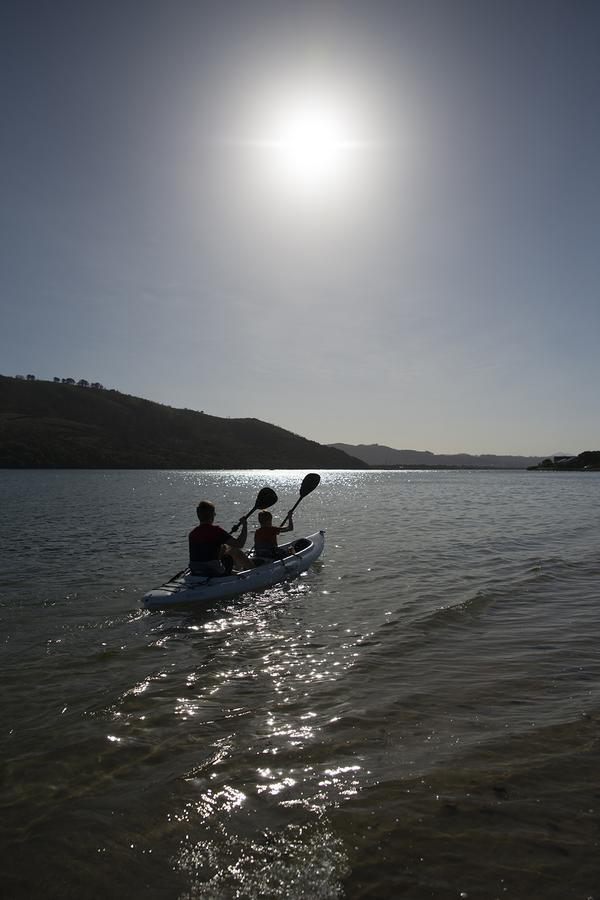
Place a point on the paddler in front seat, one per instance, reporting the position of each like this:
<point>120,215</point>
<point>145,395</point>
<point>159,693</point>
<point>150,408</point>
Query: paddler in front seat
<point>208,542</point>
<point>265,537</point>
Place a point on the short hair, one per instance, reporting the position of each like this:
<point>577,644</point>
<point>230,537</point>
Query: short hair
<point>205,510</point>
<point>264,516</point>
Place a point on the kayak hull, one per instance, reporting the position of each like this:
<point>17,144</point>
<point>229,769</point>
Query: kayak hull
<point>188,590</point>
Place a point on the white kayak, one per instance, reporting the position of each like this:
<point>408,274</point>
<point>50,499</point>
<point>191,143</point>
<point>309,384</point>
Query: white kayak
<point>187,590</point>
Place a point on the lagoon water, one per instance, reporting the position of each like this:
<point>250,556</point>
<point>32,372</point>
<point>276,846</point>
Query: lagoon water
<point>418,716</point>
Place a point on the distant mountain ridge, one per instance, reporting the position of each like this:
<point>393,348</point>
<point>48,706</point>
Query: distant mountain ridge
<point>380,455</point>
<point>52,425</point>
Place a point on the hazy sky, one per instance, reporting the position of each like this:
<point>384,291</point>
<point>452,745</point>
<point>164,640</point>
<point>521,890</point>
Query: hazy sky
<point>420,269</point>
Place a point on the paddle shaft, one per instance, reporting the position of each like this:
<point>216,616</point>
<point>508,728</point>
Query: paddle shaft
<point>291,511</point>
<point>309,483</point>
<point>174,578</point>
<point>243,519</point>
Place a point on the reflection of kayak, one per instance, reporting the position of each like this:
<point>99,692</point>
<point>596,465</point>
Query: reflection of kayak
<point>195,590</point>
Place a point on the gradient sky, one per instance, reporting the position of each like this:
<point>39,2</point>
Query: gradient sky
<point>439,291</point>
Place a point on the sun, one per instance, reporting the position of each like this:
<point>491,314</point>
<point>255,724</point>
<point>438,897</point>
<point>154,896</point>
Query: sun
<point>309,144</point>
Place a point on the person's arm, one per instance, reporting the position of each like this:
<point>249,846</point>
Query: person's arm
<point>289,527</point>
<point>240,540</point>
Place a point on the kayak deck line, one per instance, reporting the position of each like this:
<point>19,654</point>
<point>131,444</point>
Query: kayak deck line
<point>186,589</point>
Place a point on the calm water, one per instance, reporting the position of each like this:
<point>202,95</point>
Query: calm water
<point>417,716</point>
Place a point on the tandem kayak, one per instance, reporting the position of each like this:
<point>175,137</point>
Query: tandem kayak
<point>187,590</point>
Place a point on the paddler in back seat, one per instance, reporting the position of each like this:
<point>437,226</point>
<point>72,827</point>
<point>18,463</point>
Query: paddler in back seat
<point>208,543</point>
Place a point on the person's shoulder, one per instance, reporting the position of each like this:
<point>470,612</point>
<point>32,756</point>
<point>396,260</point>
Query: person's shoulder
<point>203,528</point>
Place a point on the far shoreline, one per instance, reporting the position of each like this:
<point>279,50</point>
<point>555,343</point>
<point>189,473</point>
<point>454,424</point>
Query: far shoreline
<point>367,468</point>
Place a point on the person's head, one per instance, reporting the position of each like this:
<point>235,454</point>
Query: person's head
<point>265,518</point>
<point>206,512</point>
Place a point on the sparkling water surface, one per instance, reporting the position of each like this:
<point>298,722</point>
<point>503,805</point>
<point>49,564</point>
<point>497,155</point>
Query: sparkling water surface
<point>418,715</point>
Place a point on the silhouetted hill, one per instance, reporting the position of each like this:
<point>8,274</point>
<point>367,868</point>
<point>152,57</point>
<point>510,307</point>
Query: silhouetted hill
<point>47,425</point>
<point>380,455</point>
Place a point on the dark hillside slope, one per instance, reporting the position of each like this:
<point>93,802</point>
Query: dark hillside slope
<point>47,425</point>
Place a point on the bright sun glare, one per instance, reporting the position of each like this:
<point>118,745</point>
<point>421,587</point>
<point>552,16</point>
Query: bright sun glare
<point>309,145</point>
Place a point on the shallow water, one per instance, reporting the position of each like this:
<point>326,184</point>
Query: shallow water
<point>418,715</point>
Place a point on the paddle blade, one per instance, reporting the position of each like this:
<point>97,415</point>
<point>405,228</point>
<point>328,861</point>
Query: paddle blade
<point>266,497</point>
<point>309,483</point>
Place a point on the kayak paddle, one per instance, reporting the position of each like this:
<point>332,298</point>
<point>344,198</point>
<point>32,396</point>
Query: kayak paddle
<point>309,483</point>
<point>266,497</point>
